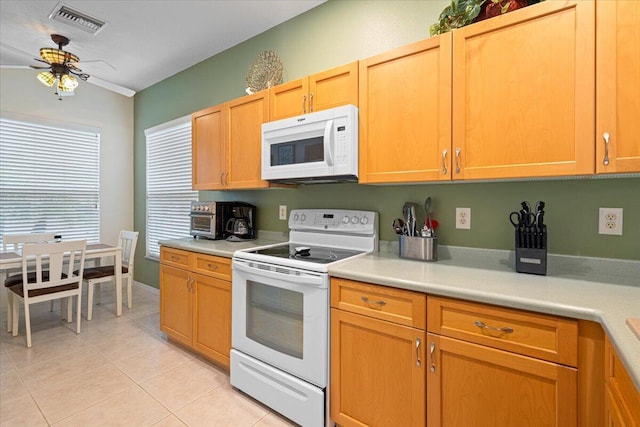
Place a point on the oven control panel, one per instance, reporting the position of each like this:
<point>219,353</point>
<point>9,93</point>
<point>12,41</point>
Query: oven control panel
<point>334,220</point>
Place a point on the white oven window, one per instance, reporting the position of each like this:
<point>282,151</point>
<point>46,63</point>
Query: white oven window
<point>275,318</point>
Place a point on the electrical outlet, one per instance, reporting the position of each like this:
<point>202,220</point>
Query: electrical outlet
<point>463,218</point>
<point>610,221</point>
<point>282,212</point>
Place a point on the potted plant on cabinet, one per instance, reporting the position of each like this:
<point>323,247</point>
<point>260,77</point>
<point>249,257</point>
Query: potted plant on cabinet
<point>463,12</point>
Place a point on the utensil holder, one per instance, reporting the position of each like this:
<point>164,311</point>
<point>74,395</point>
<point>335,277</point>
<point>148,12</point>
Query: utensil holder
<point>532,260</point>
<point>419,248</point>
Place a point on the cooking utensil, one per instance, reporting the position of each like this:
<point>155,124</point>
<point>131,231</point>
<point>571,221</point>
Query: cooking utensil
<point>409,212</point>
<point>398,226</point>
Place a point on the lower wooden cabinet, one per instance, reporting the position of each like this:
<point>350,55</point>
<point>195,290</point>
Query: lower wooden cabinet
<point>377,366</point>
<point>622,399</point>
<point>195,302</point>
<point>474,385</point>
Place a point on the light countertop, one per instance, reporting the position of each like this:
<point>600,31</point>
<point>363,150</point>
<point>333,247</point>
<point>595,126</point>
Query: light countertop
<point>600,290</point>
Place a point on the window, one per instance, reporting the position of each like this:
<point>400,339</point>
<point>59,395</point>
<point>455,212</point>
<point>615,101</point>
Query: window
<point>169,192</point>
<point>49,179</point>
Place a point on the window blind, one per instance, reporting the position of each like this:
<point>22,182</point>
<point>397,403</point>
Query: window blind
<point>169,192</point>
<point>49,180</point>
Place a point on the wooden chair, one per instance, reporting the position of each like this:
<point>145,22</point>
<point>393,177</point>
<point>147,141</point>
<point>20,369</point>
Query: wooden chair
<point>14,243</point>
<point>98,275</point>
<point>47,285</point>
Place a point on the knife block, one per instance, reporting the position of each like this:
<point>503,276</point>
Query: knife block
<point>532,260</point>
<point>419,248</point>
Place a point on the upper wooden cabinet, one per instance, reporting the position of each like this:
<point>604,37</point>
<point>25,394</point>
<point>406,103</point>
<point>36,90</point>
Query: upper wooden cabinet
<point>245,117</point>
<point>523,93</point>
<point>226,144</point>
<point>618,86</point>
<point>208,145</point>
<point>405,113</point>
<point>331,88</point>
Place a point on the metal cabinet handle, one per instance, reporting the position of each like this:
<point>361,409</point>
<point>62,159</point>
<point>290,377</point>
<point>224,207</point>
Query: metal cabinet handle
<point>458,160</point>
<point>222,178</point>
<point>418,361</point>
<point>188,284</point>
<point>175,258</point>
<point>212,266</point>
<point>505,329</point>
<point>444,161</point>
<point>304,104</point>
<point>432,349</point>
<point>380,303</point>
<point>606,137</point>
<point>226,178</point>
<point>311,102</point>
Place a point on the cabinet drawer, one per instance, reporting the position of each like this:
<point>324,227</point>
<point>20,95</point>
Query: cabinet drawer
<point>537,335</point>
<point>381,302</point>
<point>175,257</point>
<point>211,265</point>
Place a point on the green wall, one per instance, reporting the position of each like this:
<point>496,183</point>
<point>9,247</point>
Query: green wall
<point>342,31</point>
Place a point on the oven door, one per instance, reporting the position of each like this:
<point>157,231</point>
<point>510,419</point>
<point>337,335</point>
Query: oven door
<point>280,316</point>
<point>202,225</point>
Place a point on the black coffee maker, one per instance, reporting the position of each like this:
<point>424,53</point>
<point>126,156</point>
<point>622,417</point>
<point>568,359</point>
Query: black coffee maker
<point>240,222</point>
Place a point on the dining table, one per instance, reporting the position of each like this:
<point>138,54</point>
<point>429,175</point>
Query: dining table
<point>94,251</point>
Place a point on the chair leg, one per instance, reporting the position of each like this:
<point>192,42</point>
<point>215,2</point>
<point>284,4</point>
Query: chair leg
<point>63,308</point>
<point>27,324</point>
<point>69,309</point>
<point>89,300</point>
<point>129,280</point>
<point>15,316</point>
<point>51,306</point>
<point>79,310</point>
<point>9,310</point>
<point>98,293</point>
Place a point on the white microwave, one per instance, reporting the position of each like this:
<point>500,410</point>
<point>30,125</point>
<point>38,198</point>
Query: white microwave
<point>313,148</point>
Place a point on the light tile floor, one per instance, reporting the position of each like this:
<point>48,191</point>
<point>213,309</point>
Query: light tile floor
<point>119,371</point>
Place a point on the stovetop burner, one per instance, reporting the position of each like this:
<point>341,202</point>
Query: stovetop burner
<point>313,254</point>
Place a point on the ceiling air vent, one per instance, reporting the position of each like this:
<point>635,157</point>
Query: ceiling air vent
<point>77,19</point>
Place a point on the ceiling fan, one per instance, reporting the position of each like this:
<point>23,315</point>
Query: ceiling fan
<point>61,67</point>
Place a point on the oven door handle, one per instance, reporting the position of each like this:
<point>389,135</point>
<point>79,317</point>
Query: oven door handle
<point>310,279</point>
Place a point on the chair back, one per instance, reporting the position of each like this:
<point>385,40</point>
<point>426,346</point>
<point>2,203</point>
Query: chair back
<point>58,256</point>
<point>128,241</point>
<point>14,242</point>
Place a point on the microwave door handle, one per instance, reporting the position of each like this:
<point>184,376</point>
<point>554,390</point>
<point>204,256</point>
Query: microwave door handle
<point>328,143</point>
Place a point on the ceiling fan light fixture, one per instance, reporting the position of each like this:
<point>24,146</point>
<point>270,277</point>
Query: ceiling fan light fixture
<point>57,56</point>
<point>67,83</point>
<point>47,78</point>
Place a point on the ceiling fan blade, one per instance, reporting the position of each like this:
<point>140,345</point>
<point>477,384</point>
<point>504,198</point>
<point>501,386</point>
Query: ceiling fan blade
<point>38,68</point>
<point>94,60</point>
<point>111,86</point>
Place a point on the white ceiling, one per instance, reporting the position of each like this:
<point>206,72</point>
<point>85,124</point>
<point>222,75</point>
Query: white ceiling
<point>146,41</point>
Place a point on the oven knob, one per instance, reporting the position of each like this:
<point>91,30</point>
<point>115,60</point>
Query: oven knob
<point>206,208</point>
<point>303,217</point>
<point>364,220</point>
<point>354,220</point>
<point>345,220</point>
<point>198,207</point>
<point>296,217</point>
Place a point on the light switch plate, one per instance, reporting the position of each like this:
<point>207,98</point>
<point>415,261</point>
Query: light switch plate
<point>610,221</point>
<point>282,212</point>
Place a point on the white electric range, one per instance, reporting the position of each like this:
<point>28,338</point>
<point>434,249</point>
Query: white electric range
<point>280,310</point>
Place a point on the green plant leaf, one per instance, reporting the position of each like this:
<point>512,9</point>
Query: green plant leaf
<point>505,7</point>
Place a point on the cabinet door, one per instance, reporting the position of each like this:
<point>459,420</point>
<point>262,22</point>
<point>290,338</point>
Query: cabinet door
<point>212,318</point>
<point>618,86</point>
<point>405,113</point>
<point>377,372</point>
<point>472,385</point>
<point>523,93</point>
<point>288,99</point>
<point>208,148</point>
<point>175,304</point>
<point>622,401</point>
<point>244,120</point>
<point>333,88</point>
